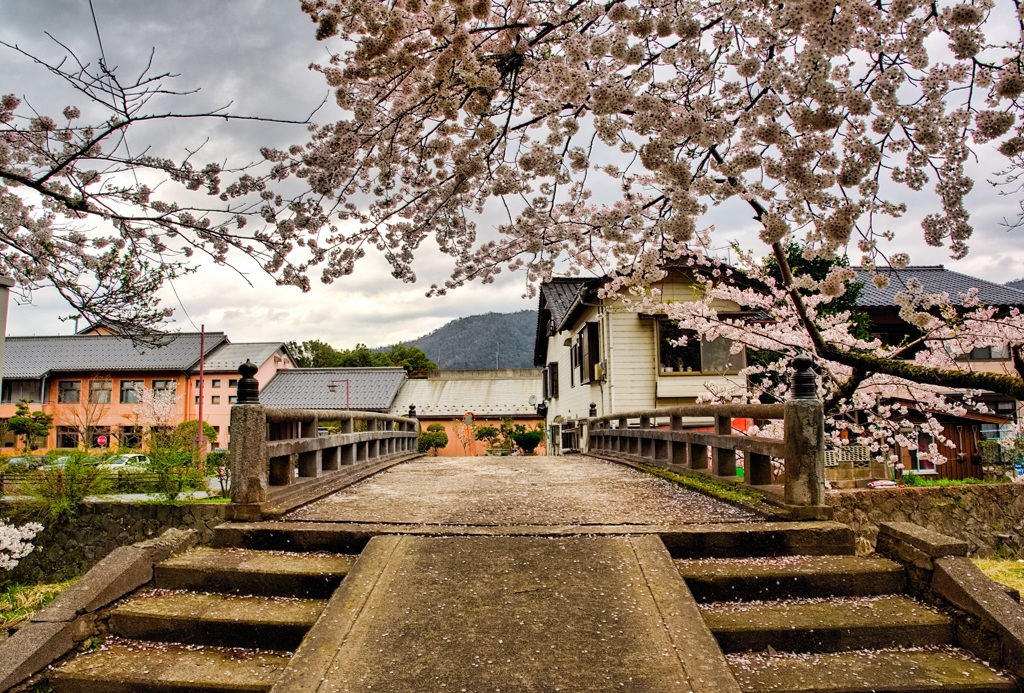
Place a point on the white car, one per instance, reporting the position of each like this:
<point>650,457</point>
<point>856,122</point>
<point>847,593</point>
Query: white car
<point>126,463</point>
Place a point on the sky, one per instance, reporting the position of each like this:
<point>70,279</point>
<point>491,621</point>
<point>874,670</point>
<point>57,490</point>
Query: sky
<point>255,55</point>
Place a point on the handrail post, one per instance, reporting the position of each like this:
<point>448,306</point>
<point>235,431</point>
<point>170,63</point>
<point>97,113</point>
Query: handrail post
<point>804,439</point>
<point>249,470</point>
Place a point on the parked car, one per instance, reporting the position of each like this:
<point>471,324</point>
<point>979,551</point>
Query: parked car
<point>126,463</point>
<point>62,462</point>
<point>24,462</point>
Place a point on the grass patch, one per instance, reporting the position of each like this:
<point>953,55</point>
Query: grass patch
<point>722,490</point>
<point>1009,572</point>
<point>19,602</point>
<point>915,480</point>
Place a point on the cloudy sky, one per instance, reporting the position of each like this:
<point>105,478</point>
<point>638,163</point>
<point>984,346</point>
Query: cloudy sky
<point>255,55</point>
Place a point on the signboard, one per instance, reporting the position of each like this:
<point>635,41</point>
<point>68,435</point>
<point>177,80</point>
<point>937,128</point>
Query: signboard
<point>101,440</point>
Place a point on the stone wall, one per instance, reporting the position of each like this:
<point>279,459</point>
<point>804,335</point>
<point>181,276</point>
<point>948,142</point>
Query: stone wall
<point>64,550</point>
<point>977,514</point>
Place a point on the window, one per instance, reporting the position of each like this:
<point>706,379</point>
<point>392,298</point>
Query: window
<point>232,382</point>
<point>131,391</point>
<point>696,355</point>
<point>199,383</point>
<point>100,436</point>
<point>919,461</point>
<point>165,386</point>
<point>215,399</point>
<point>551,381</point>
<point>197,400</point>
<point>16,390</point>
<point>588,353</point>
<point>69,391</point>
<point>215,382</point>
<point>99,391</point>
<point>232,399</point>
<point>989,353</point>
<point>130,437</point>
<point>67,437</point>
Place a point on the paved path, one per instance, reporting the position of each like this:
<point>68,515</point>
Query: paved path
<point>466,606</point>
<point>503,491</point>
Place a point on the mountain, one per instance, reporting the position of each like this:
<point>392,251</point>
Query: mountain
<point>482,342</point>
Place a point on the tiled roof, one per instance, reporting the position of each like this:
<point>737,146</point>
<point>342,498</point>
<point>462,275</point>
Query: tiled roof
<point>35,357</point>
<point>452,397</point>
<point>369,389</point>
<point>936,279</point>
<point>230,356</point>
<point>1016,284</point>
<point>560,295</point>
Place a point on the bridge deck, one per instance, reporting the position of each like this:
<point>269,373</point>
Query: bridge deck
<point>518,491</point>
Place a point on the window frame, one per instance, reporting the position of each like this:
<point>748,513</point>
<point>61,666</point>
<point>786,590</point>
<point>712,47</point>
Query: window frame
<point>129,386</point>
<point>62,392</point>
<point>95,386</point>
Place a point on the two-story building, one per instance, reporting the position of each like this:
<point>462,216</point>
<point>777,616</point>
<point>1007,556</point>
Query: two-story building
<point>92,383</point>
<point>600,356</point>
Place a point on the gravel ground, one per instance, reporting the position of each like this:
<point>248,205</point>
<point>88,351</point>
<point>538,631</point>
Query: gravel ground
<point>567,490</point>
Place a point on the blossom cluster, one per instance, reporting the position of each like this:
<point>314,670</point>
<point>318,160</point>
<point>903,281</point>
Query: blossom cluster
<point>15,542</point>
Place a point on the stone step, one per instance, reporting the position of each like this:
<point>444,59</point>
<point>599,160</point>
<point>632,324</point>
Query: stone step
<point>243,571</point>
<point>746,539</point>
<point>826,625</point>
<point>216,619</point>
<point>127,666</point>
<point>779,577</point>
<point>863,671</point>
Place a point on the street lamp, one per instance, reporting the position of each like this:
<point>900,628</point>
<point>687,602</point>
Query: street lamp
<point>333,387</point>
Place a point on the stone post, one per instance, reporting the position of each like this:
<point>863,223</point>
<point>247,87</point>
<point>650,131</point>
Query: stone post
<point>249,465</point>
<point>805,439</point>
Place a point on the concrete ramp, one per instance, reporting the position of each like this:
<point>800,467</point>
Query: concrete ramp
<point>518,614</point>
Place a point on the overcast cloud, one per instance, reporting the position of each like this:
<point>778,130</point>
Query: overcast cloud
<point>255,55</point>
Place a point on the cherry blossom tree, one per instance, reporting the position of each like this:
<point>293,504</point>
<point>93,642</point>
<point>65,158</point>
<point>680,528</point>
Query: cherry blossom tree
<point>94,210</point>
<point>603,131</point>
<point>862,405</point>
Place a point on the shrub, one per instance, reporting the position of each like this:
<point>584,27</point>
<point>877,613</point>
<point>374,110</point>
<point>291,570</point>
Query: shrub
<point>61,493</point>
<point>434,438</point>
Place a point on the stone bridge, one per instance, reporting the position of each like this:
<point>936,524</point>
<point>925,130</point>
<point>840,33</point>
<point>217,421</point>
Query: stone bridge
<point>353,564</point>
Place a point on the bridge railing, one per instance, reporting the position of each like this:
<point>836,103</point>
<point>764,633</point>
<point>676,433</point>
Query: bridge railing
<point>272,449</point>
<point>632,435</point>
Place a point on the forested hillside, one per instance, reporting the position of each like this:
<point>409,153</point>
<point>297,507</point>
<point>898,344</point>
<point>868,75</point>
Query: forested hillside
<point>481,342</point>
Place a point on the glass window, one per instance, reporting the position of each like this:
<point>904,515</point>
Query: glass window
<point>215,399</point>
<point>99,391</point>
<point>199,383</point>
<point>169,386</point>
<point>197,399</point>
<point>17,390</point>
<point>130,437</point>
<point>69,392</point>
<point>67,437</point>
<point>233,399</point>
<point>215,382</point>
<point>695,355</point>
<point>232,382</point>
<point>131,391</point>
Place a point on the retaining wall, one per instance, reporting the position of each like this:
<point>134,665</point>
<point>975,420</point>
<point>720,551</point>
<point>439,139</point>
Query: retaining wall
<point>64,550</point>
<point>977,514</point>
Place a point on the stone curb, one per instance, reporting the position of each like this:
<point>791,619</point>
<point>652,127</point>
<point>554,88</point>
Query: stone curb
<point>695,645</point>
<point>954,579</point>
<point>963,585</point>
<point>309,667</point>
<point>70,618</point>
